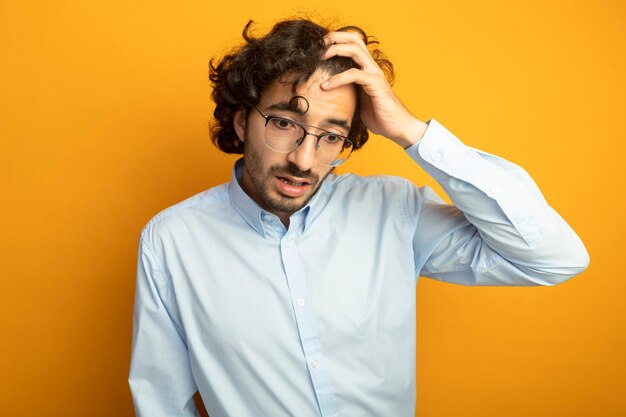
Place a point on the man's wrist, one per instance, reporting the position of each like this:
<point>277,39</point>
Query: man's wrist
<point>412,134</point>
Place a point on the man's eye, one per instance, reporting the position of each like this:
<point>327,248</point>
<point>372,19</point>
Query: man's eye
<point>283,123</point>
<point>332,138</point>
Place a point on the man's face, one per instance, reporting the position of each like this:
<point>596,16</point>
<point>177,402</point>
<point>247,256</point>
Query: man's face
<point>283,183</point>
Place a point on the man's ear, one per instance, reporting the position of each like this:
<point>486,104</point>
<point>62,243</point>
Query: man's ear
<point>239,122</point>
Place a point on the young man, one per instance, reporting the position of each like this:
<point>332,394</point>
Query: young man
<point>290,291</point>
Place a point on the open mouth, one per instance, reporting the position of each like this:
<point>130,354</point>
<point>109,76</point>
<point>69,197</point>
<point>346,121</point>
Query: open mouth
<point>292,187</point>
<point>292,182</point>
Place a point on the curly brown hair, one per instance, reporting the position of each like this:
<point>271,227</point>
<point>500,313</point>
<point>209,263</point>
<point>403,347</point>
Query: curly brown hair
<point>292,47</point>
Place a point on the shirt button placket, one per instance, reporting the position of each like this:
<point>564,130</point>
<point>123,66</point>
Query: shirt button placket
<point>306,326</point>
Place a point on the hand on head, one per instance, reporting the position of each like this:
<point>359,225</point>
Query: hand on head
<point>381,110</point>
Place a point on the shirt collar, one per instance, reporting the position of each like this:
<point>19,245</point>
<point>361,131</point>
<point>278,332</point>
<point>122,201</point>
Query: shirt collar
<point>249,210</point>
<point>253,214</point>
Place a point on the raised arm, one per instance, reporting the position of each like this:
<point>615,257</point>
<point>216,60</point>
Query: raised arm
<point>500,231</point>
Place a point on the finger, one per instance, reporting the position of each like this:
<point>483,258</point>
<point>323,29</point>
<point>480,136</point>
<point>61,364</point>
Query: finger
<point>358,55</point>
<point>351,76</point>
<point>345,37</point>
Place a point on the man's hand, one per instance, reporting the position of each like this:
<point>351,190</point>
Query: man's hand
<point>381,110</point>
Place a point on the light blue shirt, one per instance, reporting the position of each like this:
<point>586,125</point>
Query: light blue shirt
<point>319,319</point>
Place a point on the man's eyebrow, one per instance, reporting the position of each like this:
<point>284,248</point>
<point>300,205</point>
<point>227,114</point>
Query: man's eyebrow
<point>340,123</point>
<point>286,106</point>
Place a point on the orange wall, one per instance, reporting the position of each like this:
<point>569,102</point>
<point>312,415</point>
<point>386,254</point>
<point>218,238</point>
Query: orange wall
<point>104,109</point>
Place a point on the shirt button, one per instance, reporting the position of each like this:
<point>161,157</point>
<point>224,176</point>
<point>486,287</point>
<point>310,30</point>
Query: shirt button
<point>315,363</point>
<point>300,301</point>
<point>494,190</point>
<point>436,156</point>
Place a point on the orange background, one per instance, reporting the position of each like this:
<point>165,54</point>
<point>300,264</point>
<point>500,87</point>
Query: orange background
<point>104,111</point>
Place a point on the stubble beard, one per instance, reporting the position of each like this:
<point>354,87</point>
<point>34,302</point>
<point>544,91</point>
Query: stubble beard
<point>261,180</point>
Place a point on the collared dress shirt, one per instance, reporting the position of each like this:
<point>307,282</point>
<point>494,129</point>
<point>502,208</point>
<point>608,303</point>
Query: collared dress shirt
<point>319,319</point>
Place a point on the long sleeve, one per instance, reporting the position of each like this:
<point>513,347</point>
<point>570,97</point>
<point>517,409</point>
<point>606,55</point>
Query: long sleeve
<point>500,231</point>
<point>160,374</point>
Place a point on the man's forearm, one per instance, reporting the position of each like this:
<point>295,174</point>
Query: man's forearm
<point>521,239</point>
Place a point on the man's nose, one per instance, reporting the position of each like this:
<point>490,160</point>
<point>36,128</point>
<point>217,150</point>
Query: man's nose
<point>304,156</point>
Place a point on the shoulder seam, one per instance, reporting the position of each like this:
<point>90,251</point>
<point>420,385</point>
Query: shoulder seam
<point>185,204</point>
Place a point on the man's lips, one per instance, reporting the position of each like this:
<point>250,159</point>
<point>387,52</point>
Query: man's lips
<point>292,186</point>
<point>294,181</point>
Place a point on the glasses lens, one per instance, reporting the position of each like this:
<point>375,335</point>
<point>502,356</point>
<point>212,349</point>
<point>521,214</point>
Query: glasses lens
<point>283,135</point>
<point>333,150</point>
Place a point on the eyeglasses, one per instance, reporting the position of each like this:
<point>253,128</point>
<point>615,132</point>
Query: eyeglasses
<point>284,135</point>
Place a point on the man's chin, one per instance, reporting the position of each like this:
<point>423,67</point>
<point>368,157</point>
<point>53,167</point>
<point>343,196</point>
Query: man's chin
<point>278,199</point>
<point>287,205</point>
